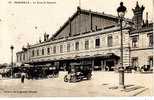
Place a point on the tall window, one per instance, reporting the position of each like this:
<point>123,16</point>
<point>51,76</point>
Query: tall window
<point>134,41</point>
<point>97,42</point>
<point>77,46</point>
<point>150,40</point>
<point>38,52</point>
<point>48,50</point>
<point>86,44</point>
<point>42,51</point>
<point>135,61</point>
<point>109,41</point>
<point>61,48</point>
<point>17,58</point>
<point>151,61</point>
<point>23,56</point>
<point>33,53</point>
<point>54,49</point>
<point>68,47</point>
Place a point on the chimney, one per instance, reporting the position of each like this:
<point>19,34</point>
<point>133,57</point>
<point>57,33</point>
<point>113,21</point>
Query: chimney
<point>70,31</point>
<point>40,40</point>
<point>138,16</point>
<point>78,9</point>
<point>147,18</point>
<point>45,36</point>
<point>28,45</point>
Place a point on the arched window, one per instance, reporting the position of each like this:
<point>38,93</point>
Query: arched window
<point>97,42</point>
<point>77,46</point>
<point>150,61</point>
<point>68,47</point>
<point>33,53</point>
<point>48,50</point>
<point>86,44</point>
<point>20,57</point>
<point>150,40</point>
<point>23,56</point>
<point>109,41</point>
<point>54,49</point>
<point>61,48</point>
<point>42,51</point>
<point>135,41</point>
<point>37,52</point>
<point>134,61</point>
<point>17,58</point>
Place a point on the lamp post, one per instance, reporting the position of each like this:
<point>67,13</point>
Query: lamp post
<point>12,47</point>
<point>121,13</point>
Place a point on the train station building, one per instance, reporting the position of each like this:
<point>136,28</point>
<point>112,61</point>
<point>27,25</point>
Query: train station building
<point>93,37</point>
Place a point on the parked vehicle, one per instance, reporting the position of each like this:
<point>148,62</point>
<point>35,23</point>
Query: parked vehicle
<point>131,68</point>
<point>6,72</point>
<point>97,68</point>
<point>78,72</point>
<point>145,68</point>
<point>111,68</point>
<point>37,72</point>
<point>17,75</point>
<point>52,72</point>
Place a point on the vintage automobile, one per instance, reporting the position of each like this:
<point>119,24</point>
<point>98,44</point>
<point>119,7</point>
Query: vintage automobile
<point>129,69</point>
<point>97,68</point>
<point>146,68</point>
<point>78,72</point>
<point>6,72</point>
<point>17,75</point>
<point>42,71</point>
<point>52,72</point>
<point>111,68</point>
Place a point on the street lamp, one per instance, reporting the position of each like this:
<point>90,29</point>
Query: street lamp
<point>12,47</point>
<point>121,13</point>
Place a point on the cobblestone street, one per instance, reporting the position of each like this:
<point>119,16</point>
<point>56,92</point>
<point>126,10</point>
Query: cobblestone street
<point>101,84</point>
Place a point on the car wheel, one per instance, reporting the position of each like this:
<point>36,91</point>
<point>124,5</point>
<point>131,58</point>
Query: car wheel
<point>142,70</point>
<point>79,78</point>
<point>65,78</point>
<point>88,76</point>
<point>107,68</point>
<point>73,79</point>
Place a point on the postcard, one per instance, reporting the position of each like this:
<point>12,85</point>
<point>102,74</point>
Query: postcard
<point>76,48</point>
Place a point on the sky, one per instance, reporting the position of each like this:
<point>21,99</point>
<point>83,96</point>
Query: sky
<point>26,23</point>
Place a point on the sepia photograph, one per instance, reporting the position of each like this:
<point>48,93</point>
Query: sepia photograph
<point>76,48</point>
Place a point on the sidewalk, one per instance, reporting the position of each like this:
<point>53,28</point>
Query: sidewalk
<point>101,84</point>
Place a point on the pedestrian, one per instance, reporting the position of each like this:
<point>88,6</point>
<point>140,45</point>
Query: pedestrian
<point>22,77</point>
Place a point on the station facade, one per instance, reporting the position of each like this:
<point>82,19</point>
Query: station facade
<point>93,37</point>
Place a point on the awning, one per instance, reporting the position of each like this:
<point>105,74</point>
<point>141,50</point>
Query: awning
<point>102,56</point>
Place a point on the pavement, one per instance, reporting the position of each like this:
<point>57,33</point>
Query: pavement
<point>101,84</point>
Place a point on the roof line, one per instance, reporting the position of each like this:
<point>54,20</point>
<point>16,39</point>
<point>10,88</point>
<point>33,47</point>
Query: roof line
<point>85,11</point>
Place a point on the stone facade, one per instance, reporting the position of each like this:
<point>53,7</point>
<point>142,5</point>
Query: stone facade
<point>88,34</point>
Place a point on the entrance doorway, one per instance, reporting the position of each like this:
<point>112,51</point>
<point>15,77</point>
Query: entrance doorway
<point>97,64</point>
<point>109,65</point>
